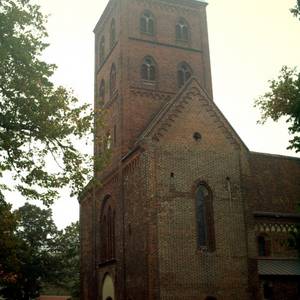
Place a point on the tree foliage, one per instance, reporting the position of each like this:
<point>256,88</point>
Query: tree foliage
<point>38,121</point>
<point>283,100</point>
<point>296,10</point>
<point>36,235</point>
<point>8,244</point>
<point>37,254</point>
<point>69,249</point>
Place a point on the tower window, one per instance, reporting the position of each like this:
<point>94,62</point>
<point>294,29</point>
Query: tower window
<point>147,23</point>
<point>112,33</point>
<point>184,73</point>
<point>102,50</point>
<point>182,30</point>
<point>102,91</point>
<point>148,69</point>
<point>113,79</point>
<point>204,218</point>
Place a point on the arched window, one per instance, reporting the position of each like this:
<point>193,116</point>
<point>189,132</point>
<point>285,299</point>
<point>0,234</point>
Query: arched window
<point>113,79</point>
<point>102,91</point>
<point>107,230</point>
<point>204,218</point>
<point>112,33</point>
<point>147,23</point>
<point>182,30</point>
<point>102,50</point>
<point>148,71</point>
<point>184,73</point>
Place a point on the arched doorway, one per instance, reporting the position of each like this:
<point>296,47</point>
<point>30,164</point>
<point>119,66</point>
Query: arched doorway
<point>108,289</point>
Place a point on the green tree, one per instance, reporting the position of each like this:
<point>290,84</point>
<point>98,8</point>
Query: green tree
<point>38,121</point>
<point>69,248</point>
<point>36,254</point>
<point>8,244</point>
<point>283,98</point>
<point>296,10</point>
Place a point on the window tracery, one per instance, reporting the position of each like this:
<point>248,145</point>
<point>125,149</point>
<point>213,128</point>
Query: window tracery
<point>182,30</point>
<point>147,23</point>
<point>184,73</point>
<point>148,69</point>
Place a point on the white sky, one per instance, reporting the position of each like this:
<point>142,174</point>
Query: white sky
<point>249,42</point>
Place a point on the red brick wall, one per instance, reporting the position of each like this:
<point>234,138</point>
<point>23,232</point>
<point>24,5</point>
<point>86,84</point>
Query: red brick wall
<point>156,249</point>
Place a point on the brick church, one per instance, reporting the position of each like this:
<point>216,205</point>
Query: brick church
<point>184,209</point>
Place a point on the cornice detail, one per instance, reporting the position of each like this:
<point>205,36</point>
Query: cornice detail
<point>168,7</point>
<point>151,94</point>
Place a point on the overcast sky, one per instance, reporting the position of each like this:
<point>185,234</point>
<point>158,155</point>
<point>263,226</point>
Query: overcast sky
<point>250,40</point>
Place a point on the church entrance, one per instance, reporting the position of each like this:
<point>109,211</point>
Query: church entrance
<point>108,289</point>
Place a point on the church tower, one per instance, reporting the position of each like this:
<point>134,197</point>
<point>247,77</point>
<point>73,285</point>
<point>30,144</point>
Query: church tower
<point>144,53</point>
<point>167,220</point>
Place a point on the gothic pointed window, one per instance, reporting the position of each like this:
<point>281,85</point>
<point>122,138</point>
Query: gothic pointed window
<point>184,73</point>
<point>182,30</point>
<point>102,91</point>
<point>112,33</point>
<point>147,23</point>
<point>113,79</point>
<point>204,218</point>
<point>107,230</point>
<point>148,70</point>
<point>102,50</point>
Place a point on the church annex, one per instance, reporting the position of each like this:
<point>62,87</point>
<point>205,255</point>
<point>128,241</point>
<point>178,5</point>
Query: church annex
<point>185,211</point>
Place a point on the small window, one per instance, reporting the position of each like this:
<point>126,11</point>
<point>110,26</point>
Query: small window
<point>184,73</point>
<point>264,246</point>
<point>113,79</point>
<point>147,23</point>
<point>102,91</point>
<point>182,30</point>
<point>112,33</point>
<point>148,71</point>
<point>102,50</point>
<point>108,141</point>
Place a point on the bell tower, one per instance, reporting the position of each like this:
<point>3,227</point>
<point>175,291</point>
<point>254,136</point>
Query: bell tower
<point>144,53</point>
